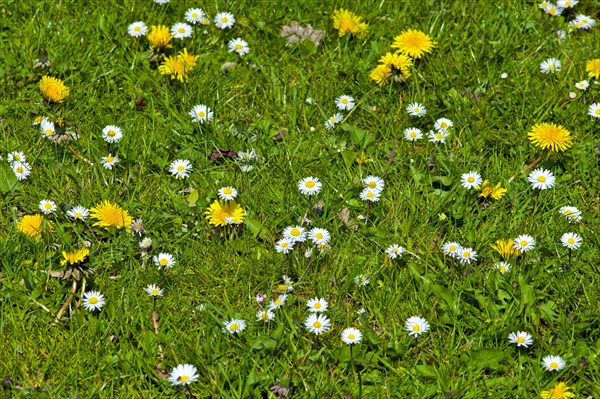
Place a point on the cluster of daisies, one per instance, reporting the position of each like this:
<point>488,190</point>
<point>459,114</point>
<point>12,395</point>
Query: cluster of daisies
<point>439,133</point>
<point>524,339</point>
<point>343,103</point>
<point>18,164</point>
<point>580,21</point>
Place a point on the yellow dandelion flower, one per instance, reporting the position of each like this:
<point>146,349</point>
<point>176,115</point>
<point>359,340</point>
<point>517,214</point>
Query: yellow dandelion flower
<point>593,68</point>
<point>559,391</point>
<point>505,248</point>
<point>159,37</point>
<point>189,60</point>
<point>494,192</point>
<point>381,74</point>
<point>31,225</point>
<point>74,257</point>
<point>549,135</point>
<point>109,214</point>
<point>413,43</point>
<point>174,67</point>
<point>362,158</point>
<point>347,22</point>
<point>392,67</point>
<point>221,214</point>
<point>53,89</point>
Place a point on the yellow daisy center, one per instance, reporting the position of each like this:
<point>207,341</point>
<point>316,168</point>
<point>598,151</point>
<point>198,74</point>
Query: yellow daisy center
<point>109,159</point>
<point>317,324</point>
<point>49,132</point>
<point>466,254</point>
<point>319,236</point>
<point>444,125</point>
<point>19,169</point>
<point>264,316</point>
<point>568,212</point>
<point>370,194</point>
<point>597,111</point>
<point>48,205</point>
<point>233,326</point>
<point>201,114</point>
<point>181,30</point>
<point>78,214</point>
<point>238,46</point>
<point>551,66</point>
<point>93,300</point>
<point>224,19</point>
<point>344,101</point>
<point>310,184</point>
<point>284,244</point>
<point>194,15</point>
<point>317,305</point>
<point>163,261</point>
<point>184,378</point>
<point>520,340</point>
<point>137,28</point>
<point>277,301</point>
<point>503,269</point>
<point>471,179</point>
<point>439,136</point>
<point>372,184</point>
<point>180,168</point>
<point>523,243</point>
<point>111,133</point>
<point>295,232</point>
<point>416,327</point>
<point>553,365</point>
<point>571,240</point>
<point>416,110</point>
<point>413,134</point>
<point>227,191</point>
<point>541,179</point>
<point>154,291</point>
<point>452,248</point>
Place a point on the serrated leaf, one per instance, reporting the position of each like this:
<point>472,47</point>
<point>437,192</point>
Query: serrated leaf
<point>192,198</point>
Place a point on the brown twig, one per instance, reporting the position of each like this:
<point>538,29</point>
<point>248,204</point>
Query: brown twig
<point>527,168</point>
<point>78,155</point>
<point>67,302</point>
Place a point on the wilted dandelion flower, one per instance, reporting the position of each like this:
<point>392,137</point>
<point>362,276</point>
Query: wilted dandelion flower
<point>524,243</point>
<point>571,240</point>
<point>159,37</point>
<point>521,338</point>
<point>201,113</point>
<point>22,170</point>
<point>505,248</point>
<point>284,245</point>
<point>78,212</point>
<point>553,363</point>
<point>75,257</point>
<point>53,90</point>
<point>394,251</point>
<point>438,136</point>
<point>30,225</point>
<point>221,214</point>
<point>181,30</point>
<point>452,249</point>
<point>109,214</point>
<point>594,110</point>
<point>413,43</point>
<point>194,15</point>
<point>310,185</point>
<point>370,194</point>
<point>551,65</point>
<point>183,374</point>
<point>93,300</point>
<point>109,161</point>
<point>319,236</point>
<point>592,67</point>
<point>265,315</point>
<point>467,255</point>
<point>582,85</point>
<point>164,259</point>
<point>351,336</point>
<point>180,168</point>
<point>47,206</point>
<point>316,305</point>
<point>571,213</point>
<point>239,46</point>
<point>558,391</point>
<point>549,135</point>
<point>413,134</point>
<point>153,290</point>
<point>361,280</point>
<point>137,29</point>
<point>224,20</point>
<point>416,109</point>
<point>502,267</point>
<point>344,102</point>
<point>471,180</point>
<point>277,302</point>
<point>416,326</point>
<point>317,323</point>
<point>112,134</point>
<point>541,179</point>
<point>333,120</point>
<point>347,22</point>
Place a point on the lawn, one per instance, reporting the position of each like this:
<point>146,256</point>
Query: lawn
<point>399,205</point>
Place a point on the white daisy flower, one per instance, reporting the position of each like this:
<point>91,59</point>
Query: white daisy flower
<point>567,3</point>
<point>265,315</point>
<point>16,156</point>
<point>47,206</point>
<point>442,124</point>
<point>524,243</point>
<point>227,193</point>
<point>351,336</point>
<point>370,194</point>
<point>287,283</point>
<point>78,212</point>
<point>183,374</point>
<point>594,110</point>
<point>553,10</point>
<point>153,290</point>
<point>394,251</point>
<point>361,280</point>
<point>571,240</point>
<point>583,22</point>
<point>551,65</point>
<point>93,300</point>
<point>137,29</point>
<point>333,120</point>
<point>416,109</point>
<point>467,255</point>
<point>521,338</point>
<point>21,169</point>
<point>224,20</point>
<point>194,15</point>
<point>181,30</point>
<point>316,305</point>
<point>571,213</point>
<point>109,161</point>
<point>502,267</point>
<point>201,113</point>
<point>471,180</point>
<point>112,134</point>
<point>541,179</point>
<point>164,260</point>
<point>452,249</point>
<point>38,120</point>
<point>319,236</point>
<point>553,363</point>
<point>310,186</point>
<point>180,168</point>
<point>161,1</point>
<point>438,136</point>
<point>146,243</point>
<point>583,85</point>
<point>317,323</point>
<point>413,134</point>
<point>344,102</point>
<point>284,245</point>
<point>239,46</point>
<point>47,129</point>
<point>374,183</point>
<point>416,325</point>
<point>277,302</point>
<point>295,233</point>
<point>235,326</point>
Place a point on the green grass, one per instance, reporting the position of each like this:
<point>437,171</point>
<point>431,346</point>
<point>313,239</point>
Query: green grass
<point>472,309</point>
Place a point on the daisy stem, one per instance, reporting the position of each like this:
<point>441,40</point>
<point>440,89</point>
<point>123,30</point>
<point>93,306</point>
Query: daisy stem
<point>569,264</point>
<point>367,214</point>
<point>317,345</point>
<point>189,390</point>
<point>355,373</point>
<point>528,167</point>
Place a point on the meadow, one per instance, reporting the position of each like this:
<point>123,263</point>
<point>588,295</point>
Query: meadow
<point>349,199</point>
